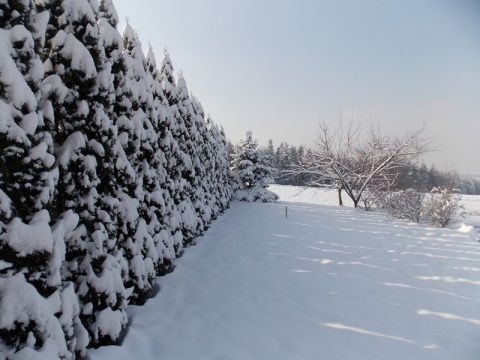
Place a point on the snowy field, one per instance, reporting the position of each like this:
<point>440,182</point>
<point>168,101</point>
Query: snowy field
<point>325,283</point>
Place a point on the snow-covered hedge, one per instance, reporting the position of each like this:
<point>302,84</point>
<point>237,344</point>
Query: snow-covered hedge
<point>437,208</point>
<point>109,168</point>
<point>408,204</point>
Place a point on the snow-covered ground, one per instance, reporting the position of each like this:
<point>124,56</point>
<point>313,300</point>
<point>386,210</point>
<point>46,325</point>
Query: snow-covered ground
<point>469,215</point>
<point>327,282</point>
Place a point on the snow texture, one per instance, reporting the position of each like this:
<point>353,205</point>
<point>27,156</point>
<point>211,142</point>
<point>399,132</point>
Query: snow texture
<point>71,48</point>
<point>21,306</point>
<point>325,282</point>
<point>71,145</point>
<point>28,239</point>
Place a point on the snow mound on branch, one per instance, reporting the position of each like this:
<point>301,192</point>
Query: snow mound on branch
<point>109,35</point>
<point>16,88</point>
<point>70,321</point>
<point>110,323</point>
<point>71,48</point>
<point>21,306</point>
<point>5,205</point>
<point>72,144</point>
<point>76,11</point>
<point>28,239</point>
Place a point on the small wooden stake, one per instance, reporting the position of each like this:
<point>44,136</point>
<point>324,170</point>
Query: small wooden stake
<point>286,212</point>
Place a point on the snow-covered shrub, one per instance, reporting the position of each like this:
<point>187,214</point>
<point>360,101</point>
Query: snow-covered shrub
<point>27,319</point>
<point>436,209</point>
<point>372,199</point>
<point>255,194</point>
<point>28,326</point>
<point>39,320</point>
<point>441,206</point>
<point>406,204</point>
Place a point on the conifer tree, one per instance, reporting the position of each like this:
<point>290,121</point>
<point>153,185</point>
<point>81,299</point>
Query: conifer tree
<point>120,112</point>
<point>25,157</point>
<point>251,172</point>
<point>164,215</point>
<point>188,139</point>
<point>31,252</point>
<point>107,11</point>
<point>223,173</point>
<point>210,167</point>
<point>84,137</point>
<point>175,159</point>
<point>203,197</point>
<point>270,154</point>
<point>140,249</point>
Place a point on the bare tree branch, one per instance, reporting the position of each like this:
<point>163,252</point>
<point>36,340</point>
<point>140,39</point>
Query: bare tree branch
<point>358,160</point>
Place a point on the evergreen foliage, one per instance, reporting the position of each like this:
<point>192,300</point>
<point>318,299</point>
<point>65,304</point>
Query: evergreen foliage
<point>85,136</point>
<point>29,266</point>
<point>252,172</point>
<point>137,245</point>
<point>109,168</point>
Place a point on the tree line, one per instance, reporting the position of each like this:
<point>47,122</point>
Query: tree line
<point>109,169</point>
<point>285,158</point>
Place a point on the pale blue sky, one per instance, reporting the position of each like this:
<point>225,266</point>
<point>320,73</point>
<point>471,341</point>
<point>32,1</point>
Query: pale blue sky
<point>279,67</point>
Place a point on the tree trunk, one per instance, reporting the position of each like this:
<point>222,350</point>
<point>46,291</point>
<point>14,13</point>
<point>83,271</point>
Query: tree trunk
<point>340,202</point>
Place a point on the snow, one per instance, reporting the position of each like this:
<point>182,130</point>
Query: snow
<point>53,84</point>
<point>71,48</point>
<point>5,265</point>
<point>110,36</point>
<point>310,195</point>
<point>326,282</point>
<point>96,147</point>
<point>150,57</point>
<point>72,144</point>
<point>5,205</point>
<point>129,33</point>
<point>69,319</point>
<point>48,351</point>
<point>21,305</point>
<point>30,123</point>
<point>41,152</point>
<point>40,24</point>
<point>66,223</point>
<point>110,11</point>
<point>76,11</point>
<point>16,89</point>
<point>110,322</point>
<point>28,239</point>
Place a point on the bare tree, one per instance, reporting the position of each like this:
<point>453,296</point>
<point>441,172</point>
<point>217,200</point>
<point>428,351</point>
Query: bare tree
<point>358,161</point>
